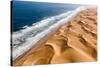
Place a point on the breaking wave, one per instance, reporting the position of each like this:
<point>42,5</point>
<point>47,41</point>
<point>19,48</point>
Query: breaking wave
<point>25,38</point>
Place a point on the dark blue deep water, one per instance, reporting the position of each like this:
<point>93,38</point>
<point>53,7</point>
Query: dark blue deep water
<point>27,13</point>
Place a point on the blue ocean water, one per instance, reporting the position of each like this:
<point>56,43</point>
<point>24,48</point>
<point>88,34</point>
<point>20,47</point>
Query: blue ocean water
<point>26,13</point>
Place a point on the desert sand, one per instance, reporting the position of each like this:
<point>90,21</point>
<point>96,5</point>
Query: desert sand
<point>75,41</point>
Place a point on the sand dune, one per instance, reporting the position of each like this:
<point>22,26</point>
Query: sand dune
<point>73,42</point>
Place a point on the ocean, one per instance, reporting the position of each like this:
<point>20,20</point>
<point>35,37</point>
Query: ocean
<point>26,13</point>
<point>31,21</point>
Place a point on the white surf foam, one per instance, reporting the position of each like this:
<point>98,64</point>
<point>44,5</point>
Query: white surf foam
<point>24,39</point>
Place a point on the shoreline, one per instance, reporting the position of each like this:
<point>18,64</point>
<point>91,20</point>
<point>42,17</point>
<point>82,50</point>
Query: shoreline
<point>55,26</point>
<point>47,38</point>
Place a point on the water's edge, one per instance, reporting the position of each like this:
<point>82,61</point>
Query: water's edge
<point>24,39</point>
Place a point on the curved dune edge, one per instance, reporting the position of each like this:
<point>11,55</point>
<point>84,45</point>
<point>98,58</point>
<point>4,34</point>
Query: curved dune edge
<point>73,42</point>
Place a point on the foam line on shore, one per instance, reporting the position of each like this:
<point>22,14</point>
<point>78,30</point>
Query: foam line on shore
<point>24,39</point>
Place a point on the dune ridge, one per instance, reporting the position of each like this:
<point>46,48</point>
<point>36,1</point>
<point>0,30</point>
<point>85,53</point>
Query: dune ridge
<point>75,41</point>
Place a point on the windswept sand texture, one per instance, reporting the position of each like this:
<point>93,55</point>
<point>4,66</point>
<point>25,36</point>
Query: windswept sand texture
<point>73,42</point>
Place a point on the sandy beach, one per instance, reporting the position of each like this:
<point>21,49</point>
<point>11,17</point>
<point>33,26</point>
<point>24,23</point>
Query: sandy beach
<point>73,42</point>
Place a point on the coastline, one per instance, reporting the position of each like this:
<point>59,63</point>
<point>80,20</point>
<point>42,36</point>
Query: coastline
<point>22,42</point>
<point>68,39</point>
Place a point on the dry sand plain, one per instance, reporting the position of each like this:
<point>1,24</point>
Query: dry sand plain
<point>75,41</point>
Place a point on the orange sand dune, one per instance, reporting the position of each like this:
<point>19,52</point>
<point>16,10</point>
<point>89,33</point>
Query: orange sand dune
<point>73,42</point>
